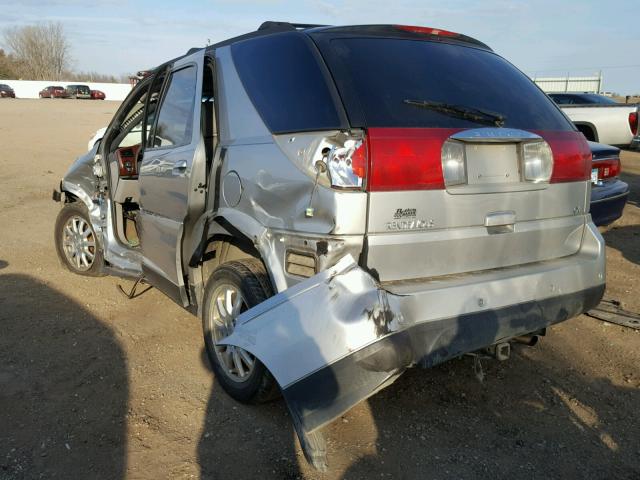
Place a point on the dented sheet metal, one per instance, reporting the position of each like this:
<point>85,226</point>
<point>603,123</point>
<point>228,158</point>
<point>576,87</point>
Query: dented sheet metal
<point>337,338</point>
<point>300,333</point>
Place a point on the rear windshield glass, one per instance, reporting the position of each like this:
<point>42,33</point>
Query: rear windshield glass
<point>376,76</point>
<point>286,83</point>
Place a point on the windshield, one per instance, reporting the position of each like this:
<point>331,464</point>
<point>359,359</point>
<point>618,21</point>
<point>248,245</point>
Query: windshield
<point>376,76</point>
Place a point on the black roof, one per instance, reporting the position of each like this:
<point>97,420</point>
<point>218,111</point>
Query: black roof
<point>274,27</point>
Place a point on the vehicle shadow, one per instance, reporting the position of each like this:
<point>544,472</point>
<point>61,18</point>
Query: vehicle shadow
<point>625,239</point>
<point>531,418</point>
<point>230,426</point>
<point>63,387</point>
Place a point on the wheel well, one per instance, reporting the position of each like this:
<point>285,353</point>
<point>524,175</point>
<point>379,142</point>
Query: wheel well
<point>588,131</point>
<point>225,248</point>
<point>69,197</point>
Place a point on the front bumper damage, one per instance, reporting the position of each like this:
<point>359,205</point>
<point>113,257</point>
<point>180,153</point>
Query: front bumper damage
<point>337,338</point>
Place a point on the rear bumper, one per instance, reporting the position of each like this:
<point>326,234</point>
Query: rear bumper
<point>608,201</point>
<point>635,143</point>
<point>335,387</point>
<point>334,339</point>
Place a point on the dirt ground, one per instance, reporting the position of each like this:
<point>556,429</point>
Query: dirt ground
<point>95,386</point>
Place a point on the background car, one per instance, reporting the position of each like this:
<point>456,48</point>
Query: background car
<point>97,95</point>
<point>78,91</point>
<point>52,91</point>
<point>608,193</point>
<point>6,91</point>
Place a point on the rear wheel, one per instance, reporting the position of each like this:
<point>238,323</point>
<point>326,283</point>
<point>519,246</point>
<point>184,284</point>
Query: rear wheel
<point>76,242</point>
<point>233,288</point>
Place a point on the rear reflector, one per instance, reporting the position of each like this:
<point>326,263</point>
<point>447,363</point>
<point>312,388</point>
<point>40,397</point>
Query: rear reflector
<point>633,122</point>
<point>609,168</point>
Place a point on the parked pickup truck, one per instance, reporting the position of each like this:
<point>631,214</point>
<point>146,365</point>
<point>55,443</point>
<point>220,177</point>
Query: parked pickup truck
<point>599,118</point>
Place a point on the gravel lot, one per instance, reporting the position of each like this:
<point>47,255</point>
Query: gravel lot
<point>96,386</point>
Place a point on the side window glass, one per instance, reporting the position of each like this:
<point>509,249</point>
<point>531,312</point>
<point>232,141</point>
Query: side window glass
<point>152,106</point>
<point>174,126</point>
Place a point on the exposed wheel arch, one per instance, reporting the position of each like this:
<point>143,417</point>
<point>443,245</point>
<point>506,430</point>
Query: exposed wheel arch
<point>223,248</point>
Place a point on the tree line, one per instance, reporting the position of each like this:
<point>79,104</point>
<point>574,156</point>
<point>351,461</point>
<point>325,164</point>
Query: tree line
<point>43,52</point>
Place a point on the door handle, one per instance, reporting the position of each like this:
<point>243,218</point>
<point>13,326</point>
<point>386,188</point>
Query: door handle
<point>180,167</point>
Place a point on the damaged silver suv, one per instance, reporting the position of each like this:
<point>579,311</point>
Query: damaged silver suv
<point>339,204</point>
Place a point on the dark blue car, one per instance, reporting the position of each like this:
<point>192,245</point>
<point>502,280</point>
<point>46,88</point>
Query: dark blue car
<point>608,193</point>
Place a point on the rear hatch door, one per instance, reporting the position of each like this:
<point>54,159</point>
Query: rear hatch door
<point>470,166</point>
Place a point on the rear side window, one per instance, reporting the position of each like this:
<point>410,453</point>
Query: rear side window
<point>175,118</point>
<point>286,84</point>
<point>376,75</point>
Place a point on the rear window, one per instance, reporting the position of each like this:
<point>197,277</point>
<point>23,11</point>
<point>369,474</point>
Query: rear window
<point>376,75</point>
<point>286,83</point>
<point>595,100</point>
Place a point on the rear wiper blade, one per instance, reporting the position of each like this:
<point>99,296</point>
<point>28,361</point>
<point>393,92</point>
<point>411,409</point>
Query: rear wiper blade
<point>468,113</point>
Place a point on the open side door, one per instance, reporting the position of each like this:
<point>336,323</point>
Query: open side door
<point>172,167</point>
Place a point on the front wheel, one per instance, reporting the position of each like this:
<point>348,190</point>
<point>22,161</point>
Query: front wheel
<point>233,288</point>
<point>76,242</point>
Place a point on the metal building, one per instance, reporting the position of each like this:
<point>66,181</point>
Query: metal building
<point>592,84</point>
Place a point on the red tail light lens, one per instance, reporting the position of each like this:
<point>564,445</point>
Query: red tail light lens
<point>411,158</point>
<point>406,158</point>
<point>571,156</point>
<point>633,122</point>
<point>609,168</point>
<point>359,160</point>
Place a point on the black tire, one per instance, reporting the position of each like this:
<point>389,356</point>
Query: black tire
<point>250,278</point>
<point>69,211</point>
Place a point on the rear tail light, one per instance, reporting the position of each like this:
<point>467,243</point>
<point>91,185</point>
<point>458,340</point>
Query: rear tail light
<point>397,159</point>
<point>537,161</point>
<point>338,160</point>
<point>571,156</point>
<point>609,168</point>
<point>633,122</point>
<point>409,158</point>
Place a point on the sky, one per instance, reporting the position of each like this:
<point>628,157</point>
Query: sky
<point>542,38</point>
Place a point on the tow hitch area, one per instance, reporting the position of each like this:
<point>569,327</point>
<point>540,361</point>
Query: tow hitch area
<point>339,337</point>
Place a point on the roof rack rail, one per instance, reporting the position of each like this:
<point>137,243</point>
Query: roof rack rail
<point>268,25</point>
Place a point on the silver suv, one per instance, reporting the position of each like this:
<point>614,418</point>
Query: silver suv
<point>408,195</point>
